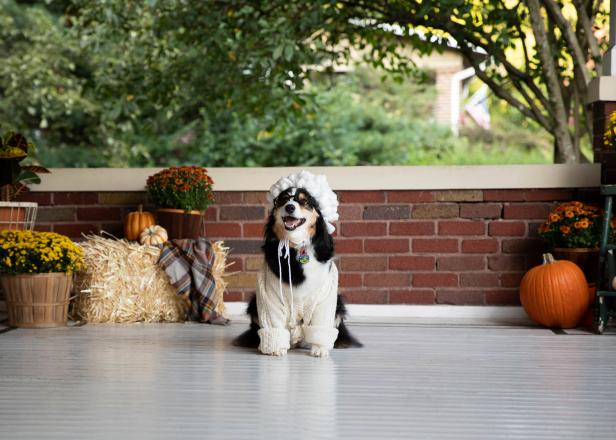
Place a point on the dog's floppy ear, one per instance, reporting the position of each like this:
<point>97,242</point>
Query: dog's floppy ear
<point>322,242</point>
<point>269,228</point>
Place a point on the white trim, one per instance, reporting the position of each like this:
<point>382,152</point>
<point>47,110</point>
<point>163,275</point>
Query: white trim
<point>603,88</point>
<point>344,178</point>
<point>237,311</point>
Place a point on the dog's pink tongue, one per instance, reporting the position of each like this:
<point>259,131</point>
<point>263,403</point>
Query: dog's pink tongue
<point>291,222</point>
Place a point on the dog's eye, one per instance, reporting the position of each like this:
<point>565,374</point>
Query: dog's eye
<point>281,200</point>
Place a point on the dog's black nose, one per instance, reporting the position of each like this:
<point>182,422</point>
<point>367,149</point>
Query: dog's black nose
<point>290,208</point>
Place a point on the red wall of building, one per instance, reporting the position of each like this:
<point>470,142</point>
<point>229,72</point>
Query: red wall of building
<point>462,247</point>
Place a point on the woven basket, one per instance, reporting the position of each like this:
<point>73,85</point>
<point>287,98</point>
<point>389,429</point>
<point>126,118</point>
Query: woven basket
<point>37,300</point>
<point>18,215</point>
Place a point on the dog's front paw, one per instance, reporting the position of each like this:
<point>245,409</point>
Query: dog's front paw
<point>319,351</point>
<point>281,352</point>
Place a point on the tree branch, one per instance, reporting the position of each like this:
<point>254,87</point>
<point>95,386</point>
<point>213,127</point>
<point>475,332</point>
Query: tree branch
<point>592,42</point>
<point>561,133</point>
<point>579,60</point>
<point>501,92</point>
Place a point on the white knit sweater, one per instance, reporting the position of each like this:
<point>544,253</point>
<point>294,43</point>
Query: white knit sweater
<point>308,316</point>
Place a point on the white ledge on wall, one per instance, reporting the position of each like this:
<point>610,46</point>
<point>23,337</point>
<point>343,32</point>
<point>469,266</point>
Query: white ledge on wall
<point>344,178</point>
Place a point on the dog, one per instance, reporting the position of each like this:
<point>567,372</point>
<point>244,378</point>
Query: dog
<point>297,302</point>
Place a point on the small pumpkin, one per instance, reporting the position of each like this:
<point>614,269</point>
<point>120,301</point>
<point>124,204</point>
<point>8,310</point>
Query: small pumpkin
<point>136,222</point>
<point>153,235</point>
<point>555,293</point>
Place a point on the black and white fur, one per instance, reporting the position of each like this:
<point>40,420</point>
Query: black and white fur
<point>296,214</point>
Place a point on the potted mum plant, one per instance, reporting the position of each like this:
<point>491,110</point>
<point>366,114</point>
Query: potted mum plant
<point>181,195</point>
<point>36,275</point>
<point>14,180</point>
<point>573,230</point>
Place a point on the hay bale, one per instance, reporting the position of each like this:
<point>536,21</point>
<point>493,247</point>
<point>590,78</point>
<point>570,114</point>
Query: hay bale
<point>121,283</point>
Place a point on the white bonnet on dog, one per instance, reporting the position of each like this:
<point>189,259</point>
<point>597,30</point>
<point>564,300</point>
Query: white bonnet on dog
<point>318,188</point>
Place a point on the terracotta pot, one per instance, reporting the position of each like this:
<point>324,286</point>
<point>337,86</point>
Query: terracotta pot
<point>181,224</point>
<point>37,300</point>
<point>586,258</point>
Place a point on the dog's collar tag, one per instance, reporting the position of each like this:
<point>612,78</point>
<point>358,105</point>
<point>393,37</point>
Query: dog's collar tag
<point>302,256</point>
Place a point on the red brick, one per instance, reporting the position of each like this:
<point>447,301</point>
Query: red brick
<point>511,279</point>
<point>481,245</point>
<point>220,230</point>
<point>365,296</point>
<point>435,279</point>
<point>232,296</point>
<point>74,230</point>
<point>242,213</point>
<point>412,228</point>
<point>527,211</point>
<point>506,228</point>
<point>386,279</point>
<point>461,228</point>
<point>42,198</point>
<point>349,246</point>
<point>503,297</point>
<point>410,196</point>
<point>480,210</point>
<point>509,263</point>
<point>211,214</point>
<point>547,195</point>
<point>360,264</point>
<point>504,195</point>
<point>349,280</point>
<point>436,210</point>
<point>234,264</point>
<point>363,229</point>
<point>253,230</point>
<point>361,196</point>
<point>255,197</point>
<point>460,297</point>
<point>460,263</point>
<point>350,212</point>
<point>75,198</point>
<point>414,296</point>
<point>42,228</point>
<point>523,246</point>
<point>386,212</point>
<point>386,245</point>
<point>479,279</point>
<point>99,214</point>
<point>227,197</point>
<point>411,263</point>
<point>435,245</point>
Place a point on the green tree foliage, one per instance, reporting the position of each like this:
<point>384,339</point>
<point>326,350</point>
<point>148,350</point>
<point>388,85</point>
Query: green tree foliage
<point>122,82</point>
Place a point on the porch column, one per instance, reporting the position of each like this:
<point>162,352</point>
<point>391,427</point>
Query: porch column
<point>601,102</point>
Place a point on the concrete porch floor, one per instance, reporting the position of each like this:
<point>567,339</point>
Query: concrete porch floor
<point>412,380</point>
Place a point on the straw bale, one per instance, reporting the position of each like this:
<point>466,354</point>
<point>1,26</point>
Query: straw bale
<point>122,283</point>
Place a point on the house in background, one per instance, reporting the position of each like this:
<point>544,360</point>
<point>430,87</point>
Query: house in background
<point>453,75</point>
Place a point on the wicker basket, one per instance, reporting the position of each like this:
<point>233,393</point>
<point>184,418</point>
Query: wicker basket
<point>17,215</point>
<point>37,300</point>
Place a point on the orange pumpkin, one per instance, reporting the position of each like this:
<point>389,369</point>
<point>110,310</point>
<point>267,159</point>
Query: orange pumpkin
<point>555,294</point>
<point>136,222</point>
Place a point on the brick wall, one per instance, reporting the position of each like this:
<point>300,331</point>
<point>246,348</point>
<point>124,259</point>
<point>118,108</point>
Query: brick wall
<point>393,247</point>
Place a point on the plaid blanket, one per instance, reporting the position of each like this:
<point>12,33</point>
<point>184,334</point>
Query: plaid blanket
<point>188,263</point>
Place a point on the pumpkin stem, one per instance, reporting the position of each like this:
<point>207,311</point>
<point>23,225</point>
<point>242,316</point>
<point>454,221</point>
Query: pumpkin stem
<point>548,258</point>
<point>140,208</point>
